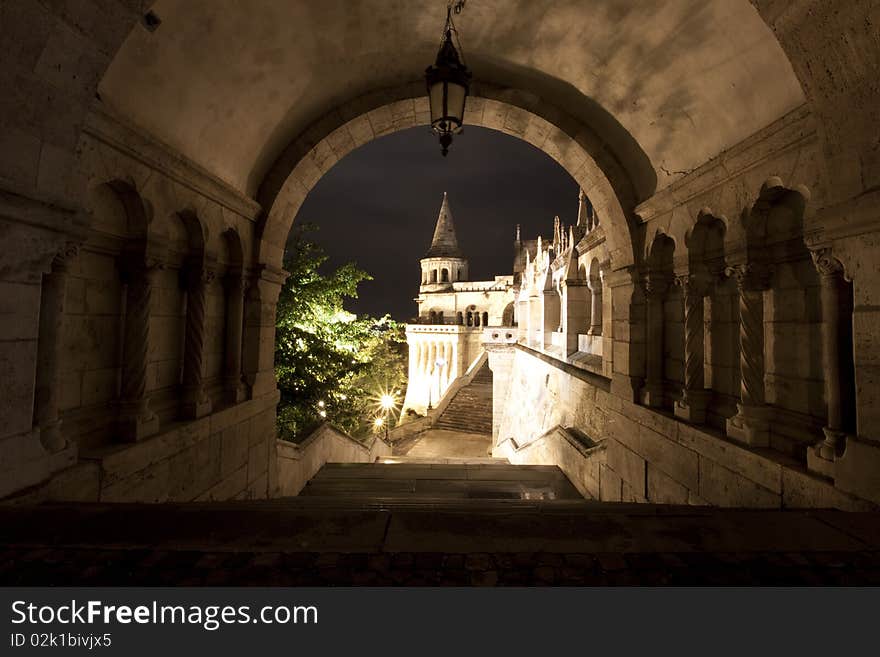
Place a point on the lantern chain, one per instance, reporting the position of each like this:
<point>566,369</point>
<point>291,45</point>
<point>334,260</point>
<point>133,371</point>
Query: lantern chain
<point>454,8</point>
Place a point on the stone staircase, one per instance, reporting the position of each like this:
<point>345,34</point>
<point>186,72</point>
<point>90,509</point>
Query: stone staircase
<point>470,410</point>
<point>426,482</point>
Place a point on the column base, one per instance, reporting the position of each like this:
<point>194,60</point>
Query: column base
<point>136,422</point>
<point>261,383</point>
<point>51,437</point>
<point>625,386</point>
<point>196,404</point>
<point>749,426</point>
<point>693,407</point>
<point>235,392</point>
<point>652,395</point>
<point>822,456</point>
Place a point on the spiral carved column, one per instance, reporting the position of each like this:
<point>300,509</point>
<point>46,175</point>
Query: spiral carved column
<point>830,278</point>
<point>136,420</point>
<point>654,287</point>
<point>49,344</point>
<point>196,403</point>
<point>692,406</point>
<point>750,423</point>
<point>235,389</point>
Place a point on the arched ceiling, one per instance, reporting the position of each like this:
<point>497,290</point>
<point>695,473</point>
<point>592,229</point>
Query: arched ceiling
<point>230,84</point>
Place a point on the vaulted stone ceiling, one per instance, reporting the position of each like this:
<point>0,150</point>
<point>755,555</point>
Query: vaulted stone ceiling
<point>230,84</point>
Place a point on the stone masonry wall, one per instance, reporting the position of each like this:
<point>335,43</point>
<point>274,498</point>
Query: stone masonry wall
<point>649,455</point>
<point>228,455</point>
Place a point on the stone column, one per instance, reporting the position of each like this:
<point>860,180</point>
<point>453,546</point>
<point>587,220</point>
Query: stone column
<point>500,361</point>
<point>750,424</point>
<point>136,420</point>
<point>258,350</point>
<point>576,307</point>
<point>692,406</point>
<point>48,348</point>
<point>551,311</point>
<point>830,278</point>
<point>655,287</point>
<point>595,307</point>
<point>196,403</point>
<point>234,385</point>
<point>624,359</point>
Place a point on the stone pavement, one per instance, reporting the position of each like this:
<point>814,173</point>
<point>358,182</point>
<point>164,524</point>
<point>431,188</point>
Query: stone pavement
<point>318,541</point>
<point>445,443</point>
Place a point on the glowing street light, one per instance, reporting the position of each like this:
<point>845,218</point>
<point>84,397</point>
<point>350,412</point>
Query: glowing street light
<point>388,402</point>
<point>378,423</point>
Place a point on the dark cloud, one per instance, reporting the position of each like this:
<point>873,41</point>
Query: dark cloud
<point>377,207</point>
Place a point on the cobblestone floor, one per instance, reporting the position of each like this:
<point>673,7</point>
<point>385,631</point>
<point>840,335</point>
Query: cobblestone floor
<point>142,567</point>
<point>497,544</point>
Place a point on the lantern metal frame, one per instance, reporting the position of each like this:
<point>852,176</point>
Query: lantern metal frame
<point>449,70</point>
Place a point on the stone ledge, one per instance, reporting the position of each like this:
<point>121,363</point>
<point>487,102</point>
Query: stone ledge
<point>133,142</point>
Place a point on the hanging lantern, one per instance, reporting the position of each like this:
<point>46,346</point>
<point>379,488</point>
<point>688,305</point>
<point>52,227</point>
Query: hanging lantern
<point>448,84</point>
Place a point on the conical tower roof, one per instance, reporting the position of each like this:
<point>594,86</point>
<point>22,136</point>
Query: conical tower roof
<point>445,243</point>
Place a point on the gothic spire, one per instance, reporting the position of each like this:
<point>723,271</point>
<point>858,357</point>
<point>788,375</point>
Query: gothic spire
<point>444,243</point>
<point>583,212</point>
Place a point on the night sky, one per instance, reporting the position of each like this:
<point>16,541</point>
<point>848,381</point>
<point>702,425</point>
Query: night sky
<point>377,208</point>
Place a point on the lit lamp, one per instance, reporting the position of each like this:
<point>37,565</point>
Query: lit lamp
<point>448,85</point>
<point>387,402</point>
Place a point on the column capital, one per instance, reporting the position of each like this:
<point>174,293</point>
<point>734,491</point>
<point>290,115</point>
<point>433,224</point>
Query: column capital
<point>693,283</point>
<point>825,262</point>
<point>64,256</point>
<point>197,271</point>
<point>752,276</point>
<point>655,283</point>
<point>132,269</point>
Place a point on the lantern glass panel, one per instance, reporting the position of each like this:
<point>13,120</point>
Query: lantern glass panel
<point>436,98</point>
<point>455,103</point>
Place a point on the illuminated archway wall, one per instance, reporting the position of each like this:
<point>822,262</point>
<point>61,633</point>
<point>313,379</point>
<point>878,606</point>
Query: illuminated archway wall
<point>696,106</point>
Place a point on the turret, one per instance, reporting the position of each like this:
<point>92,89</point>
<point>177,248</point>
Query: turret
<point>444,263</point>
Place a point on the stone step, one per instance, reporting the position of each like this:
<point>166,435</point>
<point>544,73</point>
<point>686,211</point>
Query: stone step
<point>474,428</point>
<point>437,481</point>
<point>432,470</point>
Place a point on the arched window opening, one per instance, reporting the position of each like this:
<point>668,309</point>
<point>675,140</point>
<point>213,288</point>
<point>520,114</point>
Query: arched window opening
<point>507,316</point>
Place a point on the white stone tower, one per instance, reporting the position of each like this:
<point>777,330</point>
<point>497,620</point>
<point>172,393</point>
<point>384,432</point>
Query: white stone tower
<point>445,341</point>
<point>444,263</point>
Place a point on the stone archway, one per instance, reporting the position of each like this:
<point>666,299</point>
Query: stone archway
<point>574,145</point>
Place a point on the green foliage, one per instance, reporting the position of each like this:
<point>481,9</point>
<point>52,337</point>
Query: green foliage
<point>326,358</point>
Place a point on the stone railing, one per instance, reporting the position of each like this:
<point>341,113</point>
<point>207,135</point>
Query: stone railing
<point>577,456</point>
<point>299,462</point>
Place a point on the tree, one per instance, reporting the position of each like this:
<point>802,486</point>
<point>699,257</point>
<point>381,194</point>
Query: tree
<point>331,364</point>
